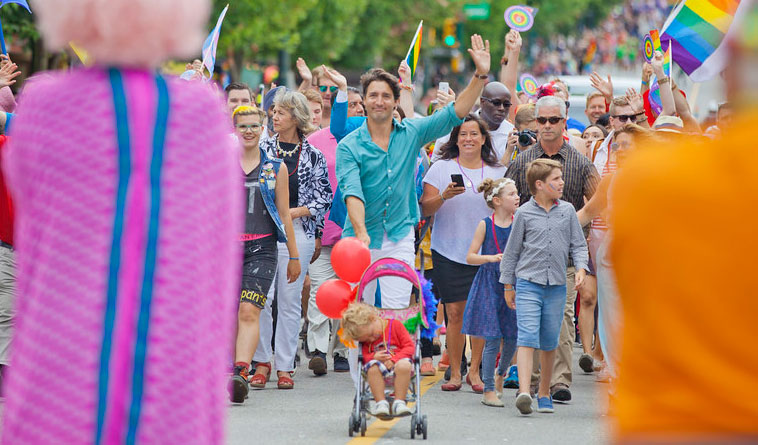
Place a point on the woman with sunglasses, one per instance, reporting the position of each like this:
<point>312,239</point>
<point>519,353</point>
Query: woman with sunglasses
<point>457,208</point>
<point>267,220</point>
<point>310,197</point>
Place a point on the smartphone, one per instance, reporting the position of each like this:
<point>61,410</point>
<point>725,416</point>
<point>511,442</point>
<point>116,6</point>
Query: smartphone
<point>457,179</point>
<point>444,87</point>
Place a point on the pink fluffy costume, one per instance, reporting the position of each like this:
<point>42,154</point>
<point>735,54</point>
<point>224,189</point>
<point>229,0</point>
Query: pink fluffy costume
<point>128,196</point>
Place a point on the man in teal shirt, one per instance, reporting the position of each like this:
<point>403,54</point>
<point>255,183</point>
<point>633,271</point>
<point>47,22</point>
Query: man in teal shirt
<point>376,165</point>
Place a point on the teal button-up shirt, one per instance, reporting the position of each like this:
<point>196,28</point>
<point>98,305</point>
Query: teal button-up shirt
<point>385,180</point>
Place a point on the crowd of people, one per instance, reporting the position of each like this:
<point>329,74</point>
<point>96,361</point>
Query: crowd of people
<point>615,42</point>
<point>490,164</point>
<point>497,197</point>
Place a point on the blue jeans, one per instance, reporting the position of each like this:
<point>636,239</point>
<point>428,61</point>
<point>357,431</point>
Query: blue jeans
<point>489,356</point>
<point>539,314</point>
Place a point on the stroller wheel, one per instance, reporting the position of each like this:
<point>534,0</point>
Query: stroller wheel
<point>351,425</point>
<point>423,425</point>
<point>363,424</point>
<point>413,426</point>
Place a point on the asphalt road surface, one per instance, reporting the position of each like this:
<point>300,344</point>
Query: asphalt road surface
<point>316,411</point>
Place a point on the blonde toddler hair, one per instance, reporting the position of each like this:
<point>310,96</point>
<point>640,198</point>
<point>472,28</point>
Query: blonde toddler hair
<point>355,317</point>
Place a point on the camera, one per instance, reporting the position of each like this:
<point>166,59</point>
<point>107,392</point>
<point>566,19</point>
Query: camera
<point>526,138</point>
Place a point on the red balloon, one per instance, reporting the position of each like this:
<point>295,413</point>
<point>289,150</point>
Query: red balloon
<point>333,297</point>
<point>350,258</point>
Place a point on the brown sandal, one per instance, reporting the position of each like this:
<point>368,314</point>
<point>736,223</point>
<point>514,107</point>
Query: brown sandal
<point>258,380</point>
<point>285,382</point>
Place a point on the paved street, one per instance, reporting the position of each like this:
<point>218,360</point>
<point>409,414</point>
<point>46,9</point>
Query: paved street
<point>317,411</point>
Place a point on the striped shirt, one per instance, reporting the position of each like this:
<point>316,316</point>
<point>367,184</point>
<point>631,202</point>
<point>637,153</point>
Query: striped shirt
<point>540,243</point>
<point>580,176</point>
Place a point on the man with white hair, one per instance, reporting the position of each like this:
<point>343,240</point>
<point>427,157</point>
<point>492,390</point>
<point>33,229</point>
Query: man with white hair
<point>581,179</point>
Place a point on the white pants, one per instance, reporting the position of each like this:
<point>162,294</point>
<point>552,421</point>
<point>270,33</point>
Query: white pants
<point>320,327</point>
<point>396,292</point>
<point>289,307</point>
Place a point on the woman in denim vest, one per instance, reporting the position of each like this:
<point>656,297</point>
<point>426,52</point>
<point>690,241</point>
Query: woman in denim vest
<point>267,220</point>
<point>310,198</point>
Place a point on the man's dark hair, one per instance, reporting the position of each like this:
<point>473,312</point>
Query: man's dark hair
<point>349,90</point>
<point>379,75</point>
<point>239,86</point>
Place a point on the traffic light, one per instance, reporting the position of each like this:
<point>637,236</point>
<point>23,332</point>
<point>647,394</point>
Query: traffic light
<point>449,37</point>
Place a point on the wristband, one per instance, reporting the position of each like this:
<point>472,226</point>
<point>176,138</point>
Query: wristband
<point>443,198</point>
<point>504,60</point>
<point>406,87</point>
<point>644,83</point>
<point>664,80</point>
<point>482,76</point>
<point>293,258</point>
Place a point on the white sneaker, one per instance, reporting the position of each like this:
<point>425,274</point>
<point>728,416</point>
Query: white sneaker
<point>382,409</point>
<point>399,408</point>
<point>524,403</point>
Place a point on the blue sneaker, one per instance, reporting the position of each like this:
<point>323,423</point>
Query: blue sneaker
<point>512,380</point>
<point>545,405</point>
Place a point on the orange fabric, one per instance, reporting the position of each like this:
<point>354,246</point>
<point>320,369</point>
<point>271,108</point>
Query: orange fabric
<point>684,248</point>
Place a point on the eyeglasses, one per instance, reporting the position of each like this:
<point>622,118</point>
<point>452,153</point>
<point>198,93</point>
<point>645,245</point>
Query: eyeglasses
<point>498,103</point>
<point>552,119</point>
<point>243,128</point>
<point>323,89</point>
<point>627,117</point>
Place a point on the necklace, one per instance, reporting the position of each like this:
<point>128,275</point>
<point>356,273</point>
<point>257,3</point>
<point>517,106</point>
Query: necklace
<point>494,233</point>
<point>283,153</point>
<point>470,183</point>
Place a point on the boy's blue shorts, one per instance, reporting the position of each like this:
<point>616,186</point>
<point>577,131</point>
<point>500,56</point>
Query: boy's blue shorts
<point>539,314</point>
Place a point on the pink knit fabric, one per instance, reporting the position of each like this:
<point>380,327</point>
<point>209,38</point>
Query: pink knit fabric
<point>63,171</point>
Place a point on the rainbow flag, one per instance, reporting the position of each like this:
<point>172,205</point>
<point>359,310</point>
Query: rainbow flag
<point>414,50</point>
<point>697,29</point>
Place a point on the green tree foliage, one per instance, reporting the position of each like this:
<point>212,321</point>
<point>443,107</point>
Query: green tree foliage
<point>260,28</point>
<point>555,17</point>
<point>386,28</point>
<point>329,29</point>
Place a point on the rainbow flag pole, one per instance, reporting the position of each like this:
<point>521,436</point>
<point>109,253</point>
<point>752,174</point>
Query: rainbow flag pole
<point>413,52</point>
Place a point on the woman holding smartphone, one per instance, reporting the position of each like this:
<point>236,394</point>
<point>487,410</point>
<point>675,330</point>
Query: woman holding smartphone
<point>450,194</point>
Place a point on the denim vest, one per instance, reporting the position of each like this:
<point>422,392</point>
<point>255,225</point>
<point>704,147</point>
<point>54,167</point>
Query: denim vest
<point>267,178</point>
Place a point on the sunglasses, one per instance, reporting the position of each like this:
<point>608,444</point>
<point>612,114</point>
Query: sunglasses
<point>323,89</point>
<point>244,128</point>
<point>627,117</point>
<point>552,119</point>
<point>498,103</point>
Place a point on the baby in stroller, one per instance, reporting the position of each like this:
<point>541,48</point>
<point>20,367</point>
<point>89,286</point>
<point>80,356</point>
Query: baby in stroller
<point>387,350</point>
